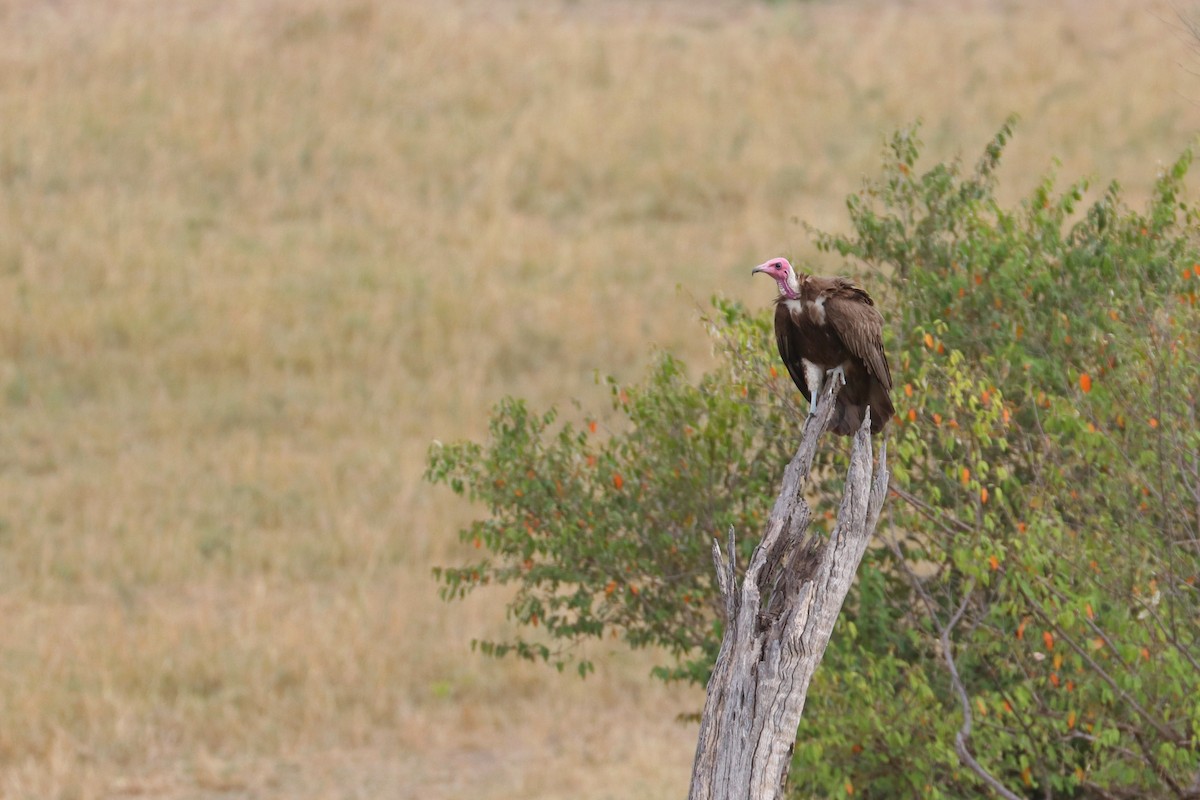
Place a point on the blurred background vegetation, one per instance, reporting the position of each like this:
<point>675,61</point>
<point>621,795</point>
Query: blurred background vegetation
<point>255,256</point>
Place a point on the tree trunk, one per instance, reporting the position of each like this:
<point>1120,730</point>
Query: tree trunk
<point>779,620</point>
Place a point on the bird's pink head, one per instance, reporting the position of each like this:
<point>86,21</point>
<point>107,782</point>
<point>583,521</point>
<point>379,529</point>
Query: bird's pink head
<point>784,275</point>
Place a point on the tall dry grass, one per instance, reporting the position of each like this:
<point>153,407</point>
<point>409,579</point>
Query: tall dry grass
<point>255,256</point>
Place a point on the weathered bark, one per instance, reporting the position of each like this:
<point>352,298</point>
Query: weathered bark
<point>779,620</point>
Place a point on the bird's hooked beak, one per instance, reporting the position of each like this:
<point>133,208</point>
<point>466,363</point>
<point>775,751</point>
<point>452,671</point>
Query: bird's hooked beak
<point>763,267</point>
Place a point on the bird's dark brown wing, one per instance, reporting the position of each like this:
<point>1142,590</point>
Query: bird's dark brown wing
<point>787,337</point>
<point>852,314</point>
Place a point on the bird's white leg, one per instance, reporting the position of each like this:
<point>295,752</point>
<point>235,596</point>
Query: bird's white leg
<point>814,378</point>
<point>838,372</point>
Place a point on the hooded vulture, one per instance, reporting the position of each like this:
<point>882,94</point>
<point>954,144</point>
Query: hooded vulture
<point>824,324</point>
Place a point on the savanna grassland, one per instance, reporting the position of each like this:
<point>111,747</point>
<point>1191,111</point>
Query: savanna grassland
<point>256,255</point>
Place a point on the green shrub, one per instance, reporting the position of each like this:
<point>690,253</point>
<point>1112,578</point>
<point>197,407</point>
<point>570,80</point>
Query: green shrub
<point>1047,460</point>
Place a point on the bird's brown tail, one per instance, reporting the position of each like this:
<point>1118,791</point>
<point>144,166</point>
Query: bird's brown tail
<point>882,409</point>
<point>848,417</point>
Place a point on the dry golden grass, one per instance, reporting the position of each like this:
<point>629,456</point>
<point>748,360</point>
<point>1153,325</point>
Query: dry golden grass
<point>255,256</point>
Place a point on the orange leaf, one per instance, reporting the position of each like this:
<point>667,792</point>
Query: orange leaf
<point>1021,527</point>
<point>941,348</point>
<point>1071,720</point>
<point>937,419</point>
<point>1085,382</point>
<point>908,390</point>
<point>983,495</point>
<point>1196,270</point>
<point>849,787</point>
<point>1048,639</point>
<point>1027,776</point>
<point>912,415</point>
<point>774,373</point>
<point>592,426</point>
<point>623,397</point>
<point>1090,614</point>
<point>633,590</point>
<point>994,563</point>
<point>966,476</point>
<point>1058,660</point>
<point>928,340</point>
<point>1153,422</point>
<point>1145,654</point>
<point>1054,680</point>
<point>985,397</point>
<point>477,542</point>
<point>1021,630</point>
<point>618,481</point>
<point>1008,706</point>
<point>610,587</point>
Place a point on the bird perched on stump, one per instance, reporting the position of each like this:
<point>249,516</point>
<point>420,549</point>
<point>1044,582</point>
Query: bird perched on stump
<point>829,324</point>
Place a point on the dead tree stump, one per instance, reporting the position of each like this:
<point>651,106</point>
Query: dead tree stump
<point>779,620</point>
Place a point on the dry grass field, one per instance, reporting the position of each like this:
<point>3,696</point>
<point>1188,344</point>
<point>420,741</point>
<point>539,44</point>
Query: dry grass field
<point>255,255</point>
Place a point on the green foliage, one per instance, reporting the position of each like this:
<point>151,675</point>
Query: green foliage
<point>1049,374</point>
<point>1046,456</point>
<point>606,534</point>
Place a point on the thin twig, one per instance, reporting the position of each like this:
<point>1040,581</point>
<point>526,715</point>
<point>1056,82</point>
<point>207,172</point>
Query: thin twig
<point>930,513</point>
<point>960,738</point>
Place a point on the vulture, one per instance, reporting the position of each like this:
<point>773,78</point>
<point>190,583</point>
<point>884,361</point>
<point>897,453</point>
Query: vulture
<point>824,324</point>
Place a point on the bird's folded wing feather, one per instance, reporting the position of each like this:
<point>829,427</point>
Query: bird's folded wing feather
<point>860,326</point>
<point>787,338</point>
